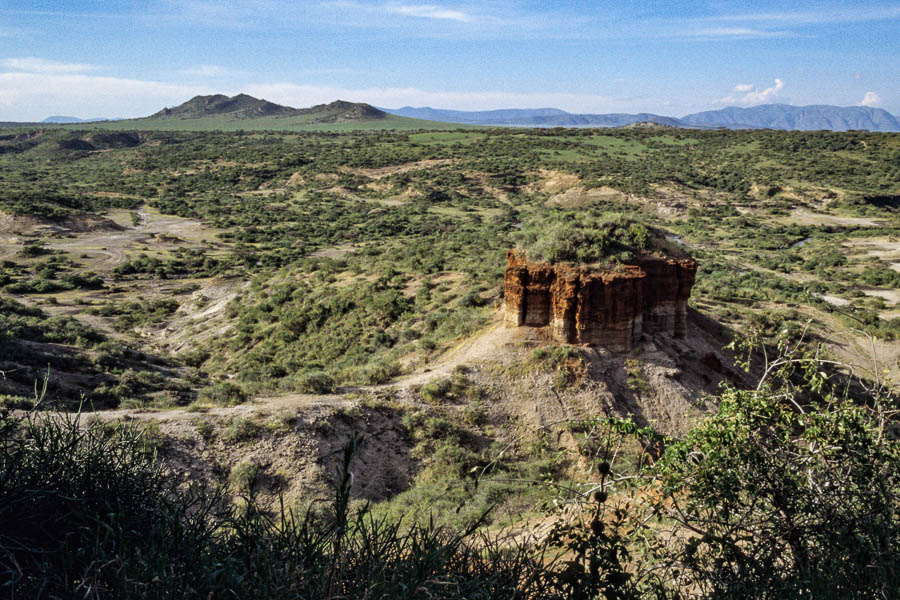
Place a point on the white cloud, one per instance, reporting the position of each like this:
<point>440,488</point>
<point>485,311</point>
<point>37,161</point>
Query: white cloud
<point>34,96</point>
<point>429,11</point>
<point>39,65</point>
<point>209,71</point>
<point>750,96</point>
<point>819,17</point>
<point>308,95</point>
<point>740,32</point>
<point>870,99</point>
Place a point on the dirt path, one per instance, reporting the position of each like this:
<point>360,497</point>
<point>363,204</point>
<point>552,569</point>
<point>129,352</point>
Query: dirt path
<point>308,403</point>
<point>491,344</point>
<point>808,217</point>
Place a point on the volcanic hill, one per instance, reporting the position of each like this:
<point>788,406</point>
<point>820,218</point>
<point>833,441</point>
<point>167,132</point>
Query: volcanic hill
<point>243,112</point>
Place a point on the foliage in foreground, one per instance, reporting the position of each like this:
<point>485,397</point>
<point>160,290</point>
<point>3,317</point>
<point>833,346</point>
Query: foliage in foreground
<point>789,491</point>
<point>87,511</point>
<point>778,503</point>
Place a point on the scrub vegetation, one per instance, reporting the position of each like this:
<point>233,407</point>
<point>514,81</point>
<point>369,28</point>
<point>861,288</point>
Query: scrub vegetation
<point>279,315</point>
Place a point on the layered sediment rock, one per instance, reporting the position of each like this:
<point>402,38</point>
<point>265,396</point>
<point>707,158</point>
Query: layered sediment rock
<point>604,307</point>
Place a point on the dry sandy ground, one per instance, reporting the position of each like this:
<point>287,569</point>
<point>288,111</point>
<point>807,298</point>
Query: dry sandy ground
<point>107,247</point>
<point>884,248</point>
<point>803,216</point>
<point>404,168</point>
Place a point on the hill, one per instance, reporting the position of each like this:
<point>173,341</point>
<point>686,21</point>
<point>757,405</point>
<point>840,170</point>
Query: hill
<point>769,116</point>
<point>481,117</point>
<point>243,112</point>
<point>66,119</point>
<point>785,116</point>
<point>536,117</point>
<point>241,106</point>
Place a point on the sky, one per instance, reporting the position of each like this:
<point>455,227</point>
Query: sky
<point>129,58</point>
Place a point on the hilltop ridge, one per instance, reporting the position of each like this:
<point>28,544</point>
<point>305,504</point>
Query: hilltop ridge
<point>218,112</point>
<point>244,106</point>
<point>239,106</point>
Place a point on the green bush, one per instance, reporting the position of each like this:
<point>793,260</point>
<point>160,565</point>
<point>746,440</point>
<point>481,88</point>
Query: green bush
<point>224,393</point>
<point>315,382</point>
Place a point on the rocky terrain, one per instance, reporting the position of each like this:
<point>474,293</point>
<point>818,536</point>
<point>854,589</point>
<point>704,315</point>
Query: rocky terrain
<point>608,307</point>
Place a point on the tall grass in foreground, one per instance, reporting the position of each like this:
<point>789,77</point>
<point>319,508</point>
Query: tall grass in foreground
<point>88,511</point>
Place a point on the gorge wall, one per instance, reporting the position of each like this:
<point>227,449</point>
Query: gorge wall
<point>599,307</point>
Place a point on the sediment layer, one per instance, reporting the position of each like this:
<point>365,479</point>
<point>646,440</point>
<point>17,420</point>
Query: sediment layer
<point>600,307</point>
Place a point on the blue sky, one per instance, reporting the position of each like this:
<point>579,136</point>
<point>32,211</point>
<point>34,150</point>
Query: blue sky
<point>121,58</point>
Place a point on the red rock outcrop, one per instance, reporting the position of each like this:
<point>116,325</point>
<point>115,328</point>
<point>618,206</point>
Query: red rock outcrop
<point>602,307</point>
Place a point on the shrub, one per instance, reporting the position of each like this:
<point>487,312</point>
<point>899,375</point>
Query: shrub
<point>242,429</point>
<point>224,393</point>
<point>244,475</point>
<point>315,382</point>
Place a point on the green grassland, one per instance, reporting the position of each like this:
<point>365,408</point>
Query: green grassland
<point>287,123</point>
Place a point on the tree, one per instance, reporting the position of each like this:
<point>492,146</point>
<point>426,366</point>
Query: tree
<point>790,490</point>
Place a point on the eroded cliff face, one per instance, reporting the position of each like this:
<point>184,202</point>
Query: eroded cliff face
<point>610,308</point>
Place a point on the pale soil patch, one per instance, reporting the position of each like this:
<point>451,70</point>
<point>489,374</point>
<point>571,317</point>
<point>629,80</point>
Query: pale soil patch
<point>404,168</point>
<point>326,177</point>
<point>807,217</point>
<point>492,343</point>
<point>200,317</point>
<point>499,194</point>
<point>295,180</point>
<point>553,182</point>
<point>883,248</point>
<point>296,442</point>
<point>334,251</point>
<point>377,186</point>
<point>579,196</point>
<point>833,300</point>
<point>106,249</point>
<point>30,225</point>
<point>891,296</point>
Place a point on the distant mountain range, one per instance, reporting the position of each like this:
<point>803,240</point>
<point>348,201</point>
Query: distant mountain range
<point>767,116</point>
<point>784,116</point>
<point>63,119</point>
<point>531,117</point>
<point>242,111</point>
